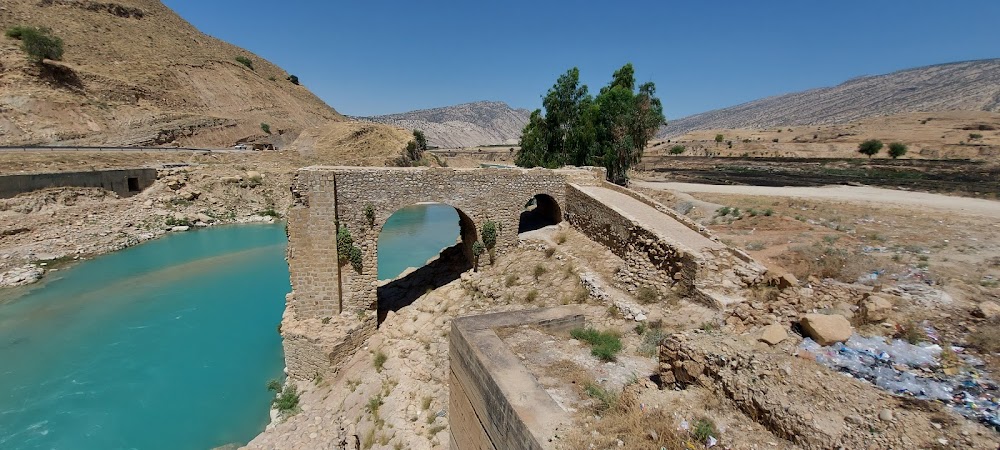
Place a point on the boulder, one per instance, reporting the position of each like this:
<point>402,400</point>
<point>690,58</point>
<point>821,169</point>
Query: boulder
<point>826,329</point>
<point>876,308</point>
<point>773,334</point>
<point>786,281</point>
<point>987,310</point>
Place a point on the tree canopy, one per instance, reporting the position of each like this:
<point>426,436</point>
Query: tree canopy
<point>870,147</point>
<point>897,149</point>
<point>609,130</point>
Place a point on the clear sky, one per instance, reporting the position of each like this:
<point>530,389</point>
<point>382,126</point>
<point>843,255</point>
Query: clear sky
<point>377,57</point>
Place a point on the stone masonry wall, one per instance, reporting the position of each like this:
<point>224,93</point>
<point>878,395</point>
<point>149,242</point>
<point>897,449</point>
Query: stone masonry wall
<point>716,277</point>
<point>649,261</point>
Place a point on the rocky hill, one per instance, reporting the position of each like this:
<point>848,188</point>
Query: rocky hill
<point>136,73</point>
<point>465,125</point>
<point>961,86</point>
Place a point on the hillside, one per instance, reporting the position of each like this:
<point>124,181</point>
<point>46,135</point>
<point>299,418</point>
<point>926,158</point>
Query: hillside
<point>465,125</point>
<point>928,135</point>
<point>135,73</point>
<point>961,86</point>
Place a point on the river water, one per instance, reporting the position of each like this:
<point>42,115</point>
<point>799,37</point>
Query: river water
<point>166,345</point>
<point>169,344</point>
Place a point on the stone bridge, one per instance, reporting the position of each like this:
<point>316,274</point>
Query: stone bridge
<point>335,304</point>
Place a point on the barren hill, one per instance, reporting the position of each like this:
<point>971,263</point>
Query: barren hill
<point>135,73</point>
<point>961,86</point>
<point>465,125</point>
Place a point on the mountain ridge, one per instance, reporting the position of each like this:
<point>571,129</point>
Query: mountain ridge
<point>957,86</point>
<point>463,125</point>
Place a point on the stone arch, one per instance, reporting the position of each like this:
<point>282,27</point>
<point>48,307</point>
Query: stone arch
<point>402,290</point>
<point>541,211</point>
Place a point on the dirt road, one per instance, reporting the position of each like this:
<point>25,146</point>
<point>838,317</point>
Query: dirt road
<point>858,194</point>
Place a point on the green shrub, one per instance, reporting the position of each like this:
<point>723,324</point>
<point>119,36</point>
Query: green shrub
<point>651,340</point>
<point>677,150</point>
<point>510,281</point>
<point>37,43</point>
<point>539,271</point>
<point>274,386</point>
<point>379,361</point>
<point>974,136</point>
<point>270,212</point>
<point>245,61</point>
<point>288,400</point>
<point>347,251</point>
<point>272,78</point>
<point>370,214</point>
<point>374,403</point>
<point>646,295</point>
<point>265,128</point>
<point>703,429</point>
<point>605,345</point>
<point>477,250</point>
<point>175,222</point>
<point>605,399</point>
<point>293,79</point>
<point>531,296</point>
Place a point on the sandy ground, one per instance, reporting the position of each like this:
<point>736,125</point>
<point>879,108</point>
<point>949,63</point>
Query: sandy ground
<point>863,194</point>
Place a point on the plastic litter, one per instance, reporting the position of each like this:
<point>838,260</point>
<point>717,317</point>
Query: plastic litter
<point>914,370</point>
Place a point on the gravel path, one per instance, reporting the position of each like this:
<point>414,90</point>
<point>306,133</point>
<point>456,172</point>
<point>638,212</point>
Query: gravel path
<point>650,217</point>
<point>860,194</point>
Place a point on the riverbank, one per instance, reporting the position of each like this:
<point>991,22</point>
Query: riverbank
<point>47,229</point>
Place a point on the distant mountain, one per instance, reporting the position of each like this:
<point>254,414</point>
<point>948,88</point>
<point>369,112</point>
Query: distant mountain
<point>961,86</point>
<point>465,125</point>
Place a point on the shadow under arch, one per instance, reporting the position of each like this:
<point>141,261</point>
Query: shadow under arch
<point>401,291</point>
<point>541,211</point>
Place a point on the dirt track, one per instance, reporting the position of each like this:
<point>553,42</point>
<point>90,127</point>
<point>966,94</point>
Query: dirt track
<point>860,194</point>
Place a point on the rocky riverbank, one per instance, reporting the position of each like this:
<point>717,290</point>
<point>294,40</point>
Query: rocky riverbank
<point>47,229</point>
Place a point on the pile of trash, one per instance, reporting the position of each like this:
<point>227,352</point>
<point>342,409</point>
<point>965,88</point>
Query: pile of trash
<point>914,370</point>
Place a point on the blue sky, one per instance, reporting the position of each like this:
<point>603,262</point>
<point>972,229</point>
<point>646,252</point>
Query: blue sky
<point>378,57</point>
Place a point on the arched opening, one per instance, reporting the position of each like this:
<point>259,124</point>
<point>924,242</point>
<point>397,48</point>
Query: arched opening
<point>541,211</point>
<point>421,247</point>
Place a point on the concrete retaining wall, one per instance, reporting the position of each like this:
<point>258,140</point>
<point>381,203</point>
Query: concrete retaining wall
<point>117,181</point>
<point>494,402</point>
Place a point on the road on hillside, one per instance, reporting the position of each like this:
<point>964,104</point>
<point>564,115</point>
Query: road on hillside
<point>116,149</point>
<point>858,194</point>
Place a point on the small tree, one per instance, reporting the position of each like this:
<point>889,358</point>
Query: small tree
<point>718,139</point>
<point>477,250</point>
<point>38,43</point>
<point>870,147</point>
<point>415,148</point>
<point>265,128</point>
<point>677,150</point>
<point>897,149</point>
<point>489,233</point>
<point>293,79</point>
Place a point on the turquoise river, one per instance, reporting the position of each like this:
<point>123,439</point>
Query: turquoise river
<point>169,344</point>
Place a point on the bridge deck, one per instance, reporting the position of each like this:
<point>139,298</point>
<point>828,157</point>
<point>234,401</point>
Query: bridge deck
<point>651,218</point>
